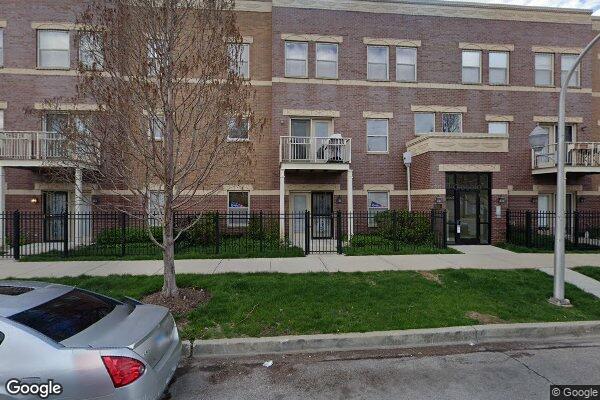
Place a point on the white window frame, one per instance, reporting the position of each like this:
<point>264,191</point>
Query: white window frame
<point>1,120</point>
<point>415,51</point>
<point>337,58</point>
<point>424,113</point>
<point>480,53</point>
<point>239,222</point>
<point>507,68</point>
<point>387,136</point>
<point>576,74</point>
<point>82,50</point>
<point>371,219</point>
<point>151,118</point>
<point>296,59</point>
<point>234,139</point>
<point>461,121</point>
<point>40,50</point>
<point>504,123</point>
<point>551,84</point>
<point>1,47</point>
<point>387,64</point>
<point>242,68</point>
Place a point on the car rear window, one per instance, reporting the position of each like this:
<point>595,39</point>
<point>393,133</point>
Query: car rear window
<point>67,315</point>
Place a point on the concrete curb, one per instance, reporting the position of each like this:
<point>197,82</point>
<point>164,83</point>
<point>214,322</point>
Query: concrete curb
<point>460,335</point>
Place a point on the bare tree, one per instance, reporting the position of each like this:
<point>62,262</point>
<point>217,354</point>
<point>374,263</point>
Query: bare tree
<point>165,77</point>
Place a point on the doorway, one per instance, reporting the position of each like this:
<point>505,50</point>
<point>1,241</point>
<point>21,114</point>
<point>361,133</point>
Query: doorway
<point>468,204</point>
<point>55,206</point>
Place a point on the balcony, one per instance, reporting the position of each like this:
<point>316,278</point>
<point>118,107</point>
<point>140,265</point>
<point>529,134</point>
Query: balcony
<point>34,149</point>
<point>322,153</point>
<point>582,157</point>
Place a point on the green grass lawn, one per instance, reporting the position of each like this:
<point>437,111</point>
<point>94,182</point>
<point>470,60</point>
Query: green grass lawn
<point>523,249</point>
<point>283,304</point>
<point>592,272</point>
<point>230,248</point>
<point>400,249</point>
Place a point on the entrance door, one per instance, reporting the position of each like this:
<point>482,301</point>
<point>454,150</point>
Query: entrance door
<point>300,204</point>
<point>55,206</point>
<point>322,215</point>
<point>468,206</point>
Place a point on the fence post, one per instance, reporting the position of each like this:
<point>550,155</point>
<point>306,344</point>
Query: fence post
<point>528,233</point>
<point>65,223</point>
<point>507,233</point>
<point>575,228</point>
<point>340,250</point>
<point>261,231</point>
<point>123,232</point>
<point>445,228</point>
<point>306,232</point>
<point>16,240</point>
<point>217,234</point>
<point>395,229</point>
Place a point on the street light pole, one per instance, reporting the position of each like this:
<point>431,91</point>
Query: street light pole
<point>561,188</point>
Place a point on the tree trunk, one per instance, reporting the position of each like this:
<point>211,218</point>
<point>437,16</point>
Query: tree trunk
<point>170,285</point>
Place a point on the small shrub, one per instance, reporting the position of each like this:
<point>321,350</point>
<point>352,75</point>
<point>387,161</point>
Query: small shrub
<point>132,235</point>
<point>365,240</point>
<point>203,232</point>
<point>269,232</point>
<point>409,228</point>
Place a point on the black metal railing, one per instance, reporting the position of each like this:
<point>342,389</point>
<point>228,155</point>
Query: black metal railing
<point>535,229</point>
<point>107,235</point>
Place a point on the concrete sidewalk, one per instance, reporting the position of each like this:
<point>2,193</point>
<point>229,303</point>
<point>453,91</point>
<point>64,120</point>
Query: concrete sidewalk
<point>486,257</point>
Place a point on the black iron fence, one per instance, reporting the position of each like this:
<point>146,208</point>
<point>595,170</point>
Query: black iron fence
<point>535,229</point>
<point>110,235</point>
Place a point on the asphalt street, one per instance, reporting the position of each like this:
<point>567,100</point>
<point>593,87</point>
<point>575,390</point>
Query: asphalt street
<point>499,371</point>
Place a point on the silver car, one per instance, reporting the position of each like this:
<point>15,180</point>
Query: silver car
<point>60,342</point>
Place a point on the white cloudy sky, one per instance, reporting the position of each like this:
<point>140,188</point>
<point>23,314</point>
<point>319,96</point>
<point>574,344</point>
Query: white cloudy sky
<point>588,4</point>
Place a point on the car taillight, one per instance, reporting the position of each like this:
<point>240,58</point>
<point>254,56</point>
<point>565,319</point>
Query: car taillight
<point>123,370</point>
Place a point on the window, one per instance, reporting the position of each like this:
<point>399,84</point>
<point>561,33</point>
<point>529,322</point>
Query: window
<point>238,209</point>
<point>296,59</point>
<point>241,66</point>
<point>498,67</point>
<point>91,55</point>
<point>377,202</point>
<point>156,126</point>
<point>66,315</point>
<point>54,49</point>
<point>327,60</point>
<point>566,63</point>
<point>424,123</point>
<point>377,63</point>
<point>451,122</point>
<point>406,64</point>
<point>377,135</point>
<point>471,66</point>
<point>498,128</point>
<point>544,69</point>
<point>1,120</point>
<point>156,204</point>
<point>1,48</point>
<point>54,122</point>
<point>569,133</point>
<point>237,129</point>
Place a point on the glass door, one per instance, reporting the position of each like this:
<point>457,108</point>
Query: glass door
<point>468,206</point>
<point>300,204</point>
<point>300,141</point>
<point>322,215</point>
<point>55,206</point>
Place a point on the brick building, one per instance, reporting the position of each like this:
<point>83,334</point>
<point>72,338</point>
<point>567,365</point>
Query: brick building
<point>348,88</point>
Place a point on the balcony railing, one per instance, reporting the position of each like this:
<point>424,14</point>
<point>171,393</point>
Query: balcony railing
<point>31,145</point>
<point>318,150</point>
<point>578,154</point>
